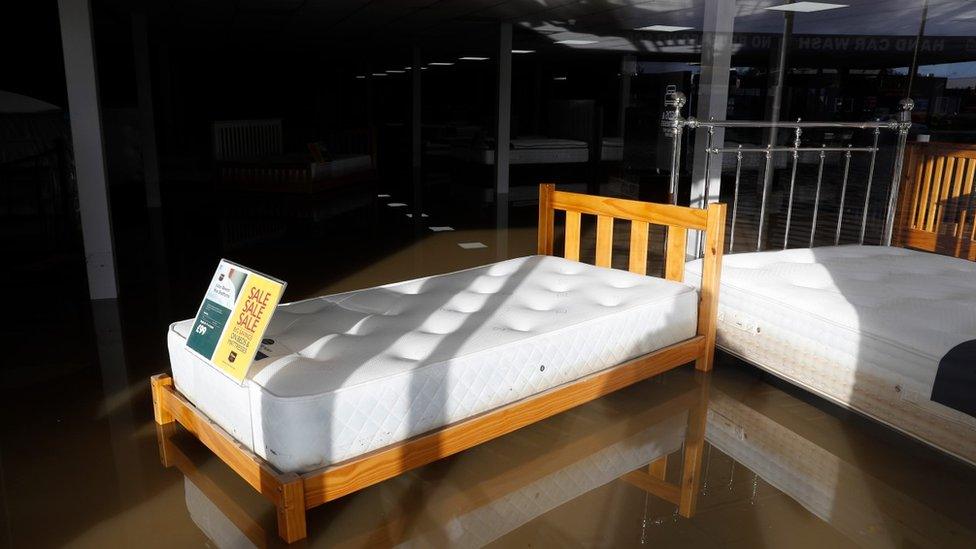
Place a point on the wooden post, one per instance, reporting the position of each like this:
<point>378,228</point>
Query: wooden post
<point>159,382</point>
<point>711,268</point>
<point>291,509</point>
<point>691,470</point>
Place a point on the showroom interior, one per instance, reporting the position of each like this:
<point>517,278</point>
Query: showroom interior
<point>342,145</point>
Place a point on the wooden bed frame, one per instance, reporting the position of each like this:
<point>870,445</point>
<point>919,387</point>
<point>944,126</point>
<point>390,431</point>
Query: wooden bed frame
<point>294,493</point>
<point>556,452</point>
<point>936,204</point>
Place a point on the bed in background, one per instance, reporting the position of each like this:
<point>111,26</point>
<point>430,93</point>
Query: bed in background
<point>250,156</point>
<point>888,331</point>
<point>612,149</point>
<point>528,150</point>
<point>265,192</point>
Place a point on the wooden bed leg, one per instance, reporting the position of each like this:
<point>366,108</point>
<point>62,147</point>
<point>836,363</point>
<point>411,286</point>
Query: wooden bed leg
<point>691,471</point>
<point>163,434</point>
<point>704,362</point>
<point>291,510</point>
<point>159,383</point>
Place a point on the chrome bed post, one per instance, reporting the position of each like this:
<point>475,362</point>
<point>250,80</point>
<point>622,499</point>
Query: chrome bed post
<point>673,126</point>
<point>903,125</point>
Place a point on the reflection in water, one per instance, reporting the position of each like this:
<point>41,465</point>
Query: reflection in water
<point>668,461</point>
<point>483,494</point>
<point>860,507</point>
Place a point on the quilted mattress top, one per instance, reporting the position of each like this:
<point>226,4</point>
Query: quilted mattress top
<point>921,302</point>
<point>338,341</point>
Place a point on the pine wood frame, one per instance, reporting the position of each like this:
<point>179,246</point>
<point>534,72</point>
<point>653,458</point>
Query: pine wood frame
<point>936,205</point>
<point>293,494</point>
<point>549,459</point>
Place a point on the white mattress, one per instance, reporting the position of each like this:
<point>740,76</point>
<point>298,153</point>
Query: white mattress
<point>341,165</point>
<point>864,326</point>
<point>612,149</point>
<point>530,151</point>
<point>354,372</point>
<point>547,143</point>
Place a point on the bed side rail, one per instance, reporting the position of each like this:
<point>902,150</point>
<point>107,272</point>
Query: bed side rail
<point>937,208</point>
<point>678,220</point>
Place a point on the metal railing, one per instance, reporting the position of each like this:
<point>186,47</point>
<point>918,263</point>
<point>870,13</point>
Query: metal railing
<point>674,125</point>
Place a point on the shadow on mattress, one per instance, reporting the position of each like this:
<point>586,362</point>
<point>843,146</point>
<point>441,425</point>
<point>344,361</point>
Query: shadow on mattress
<point>427,406</point>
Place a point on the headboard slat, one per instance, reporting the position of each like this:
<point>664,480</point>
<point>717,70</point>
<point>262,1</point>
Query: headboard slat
<point>573,221</point>
<point>638,247</point>
<point>604,240</point>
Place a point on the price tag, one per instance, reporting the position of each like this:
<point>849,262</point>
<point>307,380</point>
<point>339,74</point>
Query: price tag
<point>233,317</point>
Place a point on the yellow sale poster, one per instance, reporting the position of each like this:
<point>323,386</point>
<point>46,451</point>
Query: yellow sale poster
<point>233,317</point>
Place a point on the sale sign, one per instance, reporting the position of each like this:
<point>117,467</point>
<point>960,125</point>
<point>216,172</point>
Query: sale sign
<point>230,324</point>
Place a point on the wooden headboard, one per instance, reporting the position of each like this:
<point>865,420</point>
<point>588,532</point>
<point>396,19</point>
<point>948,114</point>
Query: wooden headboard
<point>936,206</point>
<point>678,219</point>
<point>246,139</point>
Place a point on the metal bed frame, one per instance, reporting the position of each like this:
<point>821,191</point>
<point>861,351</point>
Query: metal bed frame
<point>674,125</point>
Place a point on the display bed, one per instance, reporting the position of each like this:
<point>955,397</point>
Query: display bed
<point>612,149</point>
<point>296,173</point>
<point>372,383</point>
<point>530,151</point>
<point>361,370</point>
<point>864,326</point>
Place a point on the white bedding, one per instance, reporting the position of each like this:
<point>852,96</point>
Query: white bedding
<point>530,151</point>
<point>341,165</point>
<point>864,326</point>
<point>358,371</point>
<point>612,149</point>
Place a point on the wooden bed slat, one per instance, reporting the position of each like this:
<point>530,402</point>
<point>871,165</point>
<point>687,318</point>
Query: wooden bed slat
<point>572,250</point>
<point>923,193</point>
<point>674,261</point>
<point>604,240</point>
<point>638,247</point>
<point>933,193</point>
